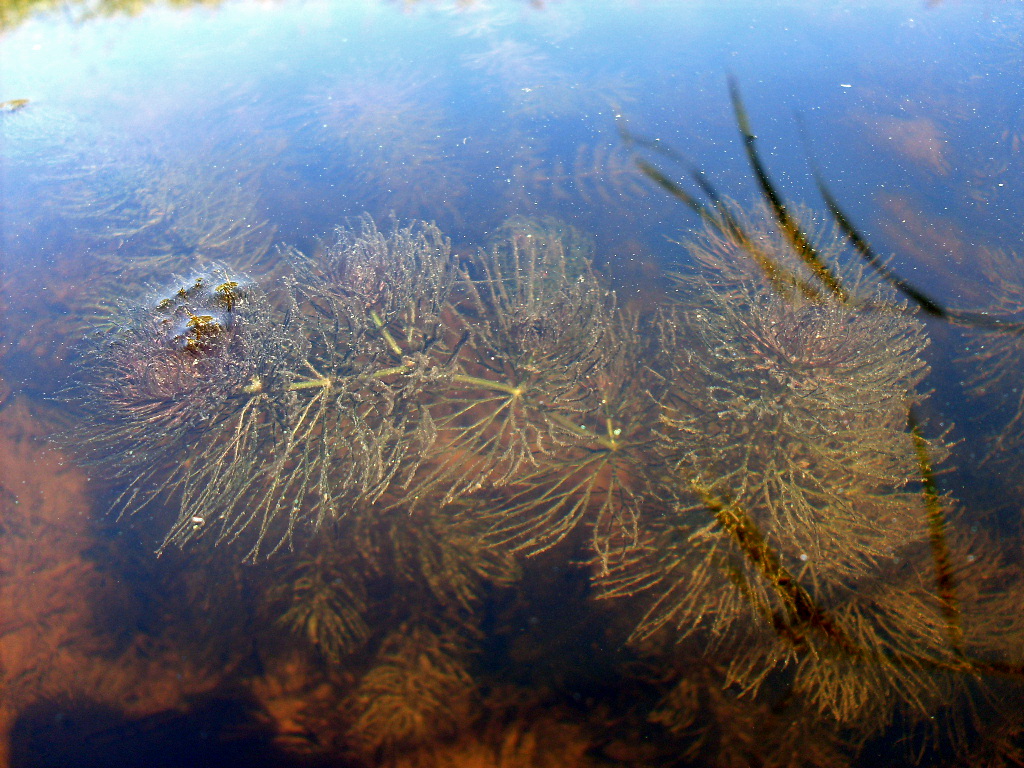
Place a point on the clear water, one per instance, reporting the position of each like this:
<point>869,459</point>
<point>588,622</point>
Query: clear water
<point>593,484</point>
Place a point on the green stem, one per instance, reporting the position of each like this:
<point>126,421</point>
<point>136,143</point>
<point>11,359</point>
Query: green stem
<point>607,441</point>
<point>497,386</point>
<point>383,373</point>
<point>308,384</point>
<point>388,338</point>
<point>945,569</point>
<point>326,382</point>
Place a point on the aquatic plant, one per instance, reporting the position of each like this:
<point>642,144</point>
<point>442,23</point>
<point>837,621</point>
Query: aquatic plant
<point>751,250</point>
<point>132,213</point>
<point>530,325</point>
<point>389,375</point>
<point>607,473</point>
<point>712,724</point>
<point>740,460</point>
<point>797,411</point>
<point>319,594</point>
<point>856,624</point>
<point>786,428</point>
<point>191,363</point>
<point>372,309</point>
<point>418,690</point>
<point>257,419</point>
<point>544,419</point>
<point>389,563</point>
<point>436,561</point>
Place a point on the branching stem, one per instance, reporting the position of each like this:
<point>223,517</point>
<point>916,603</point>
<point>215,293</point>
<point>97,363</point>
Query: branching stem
<point>388,338</point>
<point>496,386</point>
<point>323,383</point>
<point>606,441</point>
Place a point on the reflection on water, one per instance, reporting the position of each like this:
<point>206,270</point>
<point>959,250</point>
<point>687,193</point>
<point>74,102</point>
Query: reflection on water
<point>364,317</point>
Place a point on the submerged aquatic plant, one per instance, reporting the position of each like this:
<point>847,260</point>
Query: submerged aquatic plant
<point>785,424</point>
<point>169,393</point>
<point>419,690</point>
<point>801,556</point>
<point>439,563</point>
<point>372,308</point>
<point>740,458</point>
<point>530,323</point>
<point>547,411</point>
<point>717,725</point>
<point>607,473</point>
<point>320,595</point>
<point>797,410</point>
<point>256,419</point>
<point>385,375</point>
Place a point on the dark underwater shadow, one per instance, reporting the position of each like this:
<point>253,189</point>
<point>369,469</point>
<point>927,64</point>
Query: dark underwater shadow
<point>216,732</point>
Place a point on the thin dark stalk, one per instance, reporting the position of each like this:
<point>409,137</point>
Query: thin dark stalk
<point>805,611</point>
<point>945,583</point>
<point>781,279</point>
<point>800,604</point>
<point>789,225</point>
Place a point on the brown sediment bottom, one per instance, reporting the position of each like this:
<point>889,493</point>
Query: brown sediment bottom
<point>52,647</point>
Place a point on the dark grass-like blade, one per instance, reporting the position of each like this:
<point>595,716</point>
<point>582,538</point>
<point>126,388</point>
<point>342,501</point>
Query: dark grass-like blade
<point>722,219</point>
<point>790,226</point>
<point>945,581</point>
<point>927,304</point>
